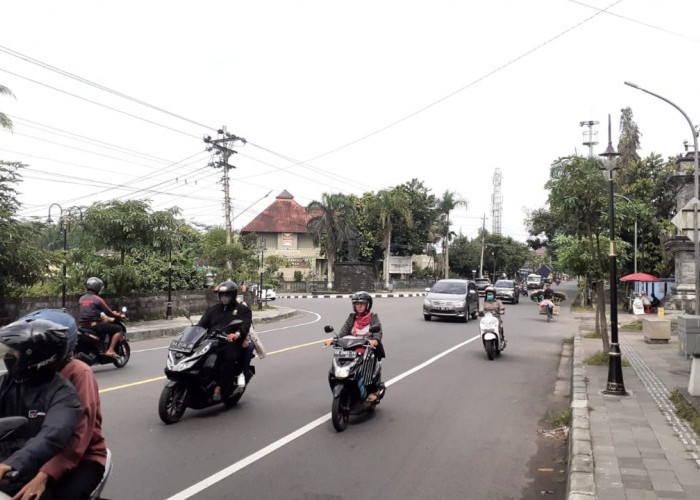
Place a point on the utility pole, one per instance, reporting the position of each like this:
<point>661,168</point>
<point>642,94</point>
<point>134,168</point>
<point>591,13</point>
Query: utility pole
<point>483,244</point>
<point>221,152</point>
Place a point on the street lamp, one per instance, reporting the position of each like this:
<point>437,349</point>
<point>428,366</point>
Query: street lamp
<point>261,247</point>
<point>615,385</point>
<point>635,231</point>
<point>696,193</point>
<point>64,222</point>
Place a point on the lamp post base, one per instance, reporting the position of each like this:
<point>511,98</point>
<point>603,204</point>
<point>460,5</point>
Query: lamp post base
<point>615,385</point>
<point>169,311</point>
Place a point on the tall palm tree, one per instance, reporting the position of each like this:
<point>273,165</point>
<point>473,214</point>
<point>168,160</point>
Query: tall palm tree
<point>331,225</point>
<point>446,204</point>
<point>389,204</point>
<point>5,121</point>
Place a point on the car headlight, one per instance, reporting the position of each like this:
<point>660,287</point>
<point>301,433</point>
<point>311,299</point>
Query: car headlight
<point>426,303</point>
<point>460,303</point>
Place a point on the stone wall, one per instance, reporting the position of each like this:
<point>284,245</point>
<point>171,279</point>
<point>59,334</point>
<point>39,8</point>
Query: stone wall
<point>353,276</point>
<point>139,307</point>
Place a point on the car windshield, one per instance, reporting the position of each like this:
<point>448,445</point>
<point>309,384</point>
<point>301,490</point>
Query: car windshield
<point>534,278</point>
<point>449,287</point>
<point>504,284</point>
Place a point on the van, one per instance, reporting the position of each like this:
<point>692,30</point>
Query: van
<point>452,298</point>
<point>534,281</point>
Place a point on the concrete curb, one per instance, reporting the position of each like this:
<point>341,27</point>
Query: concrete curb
<point>581,481</point>
<point>141,333</point>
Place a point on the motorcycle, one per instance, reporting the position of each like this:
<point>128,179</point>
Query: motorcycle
<point>191,369</point>
<point>354,374</point>
<point>547,307</point>
<point>523,289</point>
<point>91,349</point>
<point>489,327</point>
<point>8,426</point>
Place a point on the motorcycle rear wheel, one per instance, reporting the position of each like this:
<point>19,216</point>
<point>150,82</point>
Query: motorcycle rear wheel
<point>124,354</point>
<point>490,349</point>
<point>340,411</point>
<point>172,403</point>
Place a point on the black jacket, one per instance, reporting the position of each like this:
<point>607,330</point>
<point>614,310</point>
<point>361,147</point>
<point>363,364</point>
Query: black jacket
<point>218,316</point>
<point>53,410</point>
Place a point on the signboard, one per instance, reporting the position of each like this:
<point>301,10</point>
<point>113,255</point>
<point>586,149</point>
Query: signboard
<point>683,220</point>
<point>400,265</point>
<point>287,240</point>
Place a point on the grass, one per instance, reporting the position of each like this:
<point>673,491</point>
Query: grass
<point>582,309</point>
<point>685,410</point>
<point>593,335</point>
<point>570,340</point>
<point>561,419</point>
<point>636,326</point>
<point>602,359</point>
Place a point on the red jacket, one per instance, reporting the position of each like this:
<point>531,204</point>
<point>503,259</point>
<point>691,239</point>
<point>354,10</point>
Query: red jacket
<point>87,442</point>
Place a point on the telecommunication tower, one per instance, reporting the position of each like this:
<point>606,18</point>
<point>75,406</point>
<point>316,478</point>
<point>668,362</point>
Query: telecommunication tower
<point>496,202</point>
<point>590,136</point>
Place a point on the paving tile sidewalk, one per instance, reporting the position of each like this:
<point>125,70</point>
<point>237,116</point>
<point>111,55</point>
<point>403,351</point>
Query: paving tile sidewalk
<point>640,448</point>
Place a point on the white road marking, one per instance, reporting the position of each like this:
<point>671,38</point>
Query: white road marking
<point>318,318</point>
<point>250,459</point>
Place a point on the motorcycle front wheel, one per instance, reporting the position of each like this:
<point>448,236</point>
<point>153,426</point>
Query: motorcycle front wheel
<point>123,354</point>
<point>340,411</point>
<point>172,403</point>
<point>490,349</point>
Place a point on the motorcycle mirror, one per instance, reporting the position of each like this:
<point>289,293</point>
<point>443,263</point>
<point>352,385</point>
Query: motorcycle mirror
<point>328,329</point>
<point>375,329</point>
<point>427,289</point>
<point>123,309</point>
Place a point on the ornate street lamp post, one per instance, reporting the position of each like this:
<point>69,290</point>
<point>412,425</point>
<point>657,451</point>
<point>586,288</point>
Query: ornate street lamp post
<point>615,385</point>
<point>64,222</point>
<point>261,247</point>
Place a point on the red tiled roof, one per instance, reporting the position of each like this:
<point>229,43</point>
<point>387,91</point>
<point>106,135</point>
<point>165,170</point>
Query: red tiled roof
<point>284,215</point>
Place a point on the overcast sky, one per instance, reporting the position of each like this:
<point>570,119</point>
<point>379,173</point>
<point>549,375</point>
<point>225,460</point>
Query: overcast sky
<point>332,96</point>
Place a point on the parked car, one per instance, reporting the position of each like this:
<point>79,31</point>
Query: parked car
<point>482,284</point>
<point>268,293</point>
<point>534,281</point>
<point>452,298</point>
<point>507,290</point>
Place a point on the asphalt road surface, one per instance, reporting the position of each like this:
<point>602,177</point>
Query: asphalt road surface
<point>453,425</point>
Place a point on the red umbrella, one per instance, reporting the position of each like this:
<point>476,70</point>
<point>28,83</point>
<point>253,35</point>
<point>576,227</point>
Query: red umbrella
<point>639,277</point>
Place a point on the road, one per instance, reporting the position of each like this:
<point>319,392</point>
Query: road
<point>452,425</point>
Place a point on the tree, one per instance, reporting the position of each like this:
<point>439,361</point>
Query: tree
<point>391,205</point>
<point>628,143</point>
<point>446,204</point>
<point>5,121</point>
<point>331,225</point>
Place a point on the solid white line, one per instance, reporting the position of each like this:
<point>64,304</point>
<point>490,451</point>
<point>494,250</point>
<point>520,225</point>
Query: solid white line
<point>318,318</point>
<point>250,459</point>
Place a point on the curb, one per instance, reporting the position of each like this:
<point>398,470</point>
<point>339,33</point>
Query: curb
<point>349,295</point>
<point>581,481</point>
<point>136,335</point>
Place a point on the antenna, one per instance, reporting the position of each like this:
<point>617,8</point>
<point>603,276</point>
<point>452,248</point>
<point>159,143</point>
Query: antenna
<point>590,137</point>
<point>496,202</point>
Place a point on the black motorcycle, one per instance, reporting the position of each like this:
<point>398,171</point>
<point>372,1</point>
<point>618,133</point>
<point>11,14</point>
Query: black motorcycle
<point>191,369</point>
<point>91,349</point>
<point>355,373</point>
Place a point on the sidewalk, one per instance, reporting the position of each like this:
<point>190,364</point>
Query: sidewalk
<point>142,330</point>
<point>630,447</point>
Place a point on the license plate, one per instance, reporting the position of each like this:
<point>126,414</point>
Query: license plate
<point>178,345</point>
<point>344,353</point>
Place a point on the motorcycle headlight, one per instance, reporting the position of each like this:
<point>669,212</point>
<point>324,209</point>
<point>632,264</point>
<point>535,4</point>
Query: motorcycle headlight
<point>342,371</point>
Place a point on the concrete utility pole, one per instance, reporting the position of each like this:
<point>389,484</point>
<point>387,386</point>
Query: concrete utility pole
<point>497,202</point>
<point>221,152</point>
<point>483,244</point>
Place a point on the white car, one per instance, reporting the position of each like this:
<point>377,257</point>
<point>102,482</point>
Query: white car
<point>268,293</point>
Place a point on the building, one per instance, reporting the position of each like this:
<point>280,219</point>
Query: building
<point>282,228</point>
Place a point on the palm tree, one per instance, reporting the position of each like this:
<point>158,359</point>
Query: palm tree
<point>446,204</point>
<point>5,122</point>
<point>331,225</point>
<point>390,204</point>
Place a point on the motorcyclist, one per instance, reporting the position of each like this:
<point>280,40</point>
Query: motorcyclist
<point>495,306</point>
<point>218,317</point>
<point>78,468</point>
<point>358,324</point>
<point>96,314</point>
<point>548,293</point>
<point>32,388</point>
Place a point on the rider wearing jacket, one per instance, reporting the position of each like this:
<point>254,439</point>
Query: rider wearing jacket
<point>218,317</point>
<point>96,314</point>
<point>548,293</point>
<point>495,306</point>
<point>32,388</point>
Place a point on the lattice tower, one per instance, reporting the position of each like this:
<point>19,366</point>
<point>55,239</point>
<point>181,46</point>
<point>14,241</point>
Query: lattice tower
<point>496,202</point>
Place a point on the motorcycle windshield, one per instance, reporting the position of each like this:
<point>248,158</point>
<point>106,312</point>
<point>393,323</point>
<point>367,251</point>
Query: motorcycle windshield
<point>351,342</point>
<point>188,339</point>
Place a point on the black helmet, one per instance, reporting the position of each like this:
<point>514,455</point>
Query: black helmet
<point>362,297</point>
<point>33,349</point>
<point>490,289</point>
<point>94,285</point>
<point>227,288</point>
<point>60,318</point>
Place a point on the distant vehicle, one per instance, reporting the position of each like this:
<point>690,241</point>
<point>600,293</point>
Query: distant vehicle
<point>534,281</point>
<point>452,299</point>
<point>268,292</point>
<point>507,290</point>
<point>482,284</point>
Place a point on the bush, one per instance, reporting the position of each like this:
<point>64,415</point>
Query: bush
<point>298,276</point>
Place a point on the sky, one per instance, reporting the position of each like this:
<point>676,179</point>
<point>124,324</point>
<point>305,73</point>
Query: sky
<point>112,99</point>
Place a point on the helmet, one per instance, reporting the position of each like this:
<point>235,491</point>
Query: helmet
<point>491,290</point>
<point>362,297</point>
<point>33,349</point>
<point>227,288</point>
<point>60,318</point>
<point>94,285</point>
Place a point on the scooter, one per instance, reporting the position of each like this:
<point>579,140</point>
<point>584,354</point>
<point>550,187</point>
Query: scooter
<point>523,289</point>
<point>91,349</point>
<point>354,374</point>
<point>10,425</point>
<point>191,372</point>
<point>493,341</point>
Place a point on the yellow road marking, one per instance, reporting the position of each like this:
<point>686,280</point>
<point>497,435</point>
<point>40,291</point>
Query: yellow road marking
<point>156,379</point>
